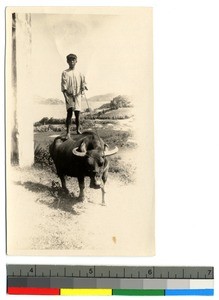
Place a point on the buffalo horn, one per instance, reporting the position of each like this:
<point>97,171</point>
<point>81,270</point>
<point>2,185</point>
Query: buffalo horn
<point>111,151</point>
<point>77,153</point>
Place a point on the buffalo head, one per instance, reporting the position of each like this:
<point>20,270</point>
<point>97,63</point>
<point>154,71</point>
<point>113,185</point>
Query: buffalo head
<point>95,153</point>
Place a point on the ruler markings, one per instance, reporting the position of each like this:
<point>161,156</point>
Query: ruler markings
<point>165,272</point>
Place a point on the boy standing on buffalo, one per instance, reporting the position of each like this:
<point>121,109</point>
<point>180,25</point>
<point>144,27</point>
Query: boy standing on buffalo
<point>73,86</point>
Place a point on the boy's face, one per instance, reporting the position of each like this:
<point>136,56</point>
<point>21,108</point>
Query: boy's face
<point>72,62</point>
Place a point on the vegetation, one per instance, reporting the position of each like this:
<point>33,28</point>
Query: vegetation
<point>125,171</point>
<point>88,110</point>
<point>42,157</point>
<point>46,121</point>
<point>120,101</point>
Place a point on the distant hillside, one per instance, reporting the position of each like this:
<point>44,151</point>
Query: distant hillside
<point>104,106</point>
<point>48,101</point>
<point>54,101</point>
<point>120,113</point>
<point>102,98</point>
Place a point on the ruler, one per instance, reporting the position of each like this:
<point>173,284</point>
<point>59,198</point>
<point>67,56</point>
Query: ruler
<point>110,280</point>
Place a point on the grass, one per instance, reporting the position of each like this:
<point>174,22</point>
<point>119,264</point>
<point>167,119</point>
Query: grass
<point>109,135</point>
<point>125,171</point>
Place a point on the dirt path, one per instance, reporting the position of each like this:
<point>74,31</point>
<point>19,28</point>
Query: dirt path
<point>41,218</point>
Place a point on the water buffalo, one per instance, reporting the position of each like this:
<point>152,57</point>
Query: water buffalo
<point>84,157</point>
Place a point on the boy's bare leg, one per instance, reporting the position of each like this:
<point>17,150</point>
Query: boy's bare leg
<point>68,122</point>
<point>77,121</point>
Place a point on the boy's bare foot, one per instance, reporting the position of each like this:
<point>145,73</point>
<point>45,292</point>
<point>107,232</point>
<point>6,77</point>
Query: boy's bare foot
<point>67,136</point>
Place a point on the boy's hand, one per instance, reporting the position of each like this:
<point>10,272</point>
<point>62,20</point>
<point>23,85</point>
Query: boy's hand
<point>65,96</point>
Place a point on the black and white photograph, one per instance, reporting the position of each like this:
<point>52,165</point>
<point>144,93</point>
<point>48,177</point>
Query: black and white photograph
<point>79,131</point>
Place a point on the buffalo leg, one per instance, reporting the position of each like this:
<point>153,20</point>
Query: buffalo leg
<point>104,178</point>
<point>81,186</point>
<point>103,195</point>
<point>62,178</point>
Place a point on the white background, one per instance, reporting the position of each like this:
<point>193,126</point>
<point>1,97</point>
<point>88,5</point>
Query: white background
<point>186,98</point>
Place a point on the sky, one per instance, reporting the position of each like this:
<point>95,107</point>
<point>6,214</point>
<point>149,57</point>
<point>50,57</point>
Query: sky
<point>107,47</point>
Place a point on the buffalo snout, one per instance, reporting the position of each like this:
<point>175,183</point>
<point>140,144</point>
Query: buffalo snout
<point>96,182</point>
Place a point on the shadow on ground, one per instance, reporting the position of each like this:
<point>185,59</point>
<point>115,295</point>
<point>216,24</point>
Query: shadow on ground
<point>57,199</point>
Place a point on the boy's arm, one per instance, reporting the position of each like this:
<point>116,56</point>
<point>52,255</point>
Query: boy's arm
<point>64,86</point>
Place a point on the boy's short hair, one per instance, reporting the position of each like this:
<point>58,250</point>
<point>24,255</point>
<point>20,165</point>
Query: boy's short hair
<point>71,56</point>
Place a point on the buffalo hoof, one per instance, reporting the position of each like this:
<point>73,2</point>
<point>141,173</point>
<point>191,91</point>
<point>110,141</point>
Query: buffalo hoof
<point>65,191</point>
<point>94,186</point>
<point>80,198</point>
<point>67,136</point>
